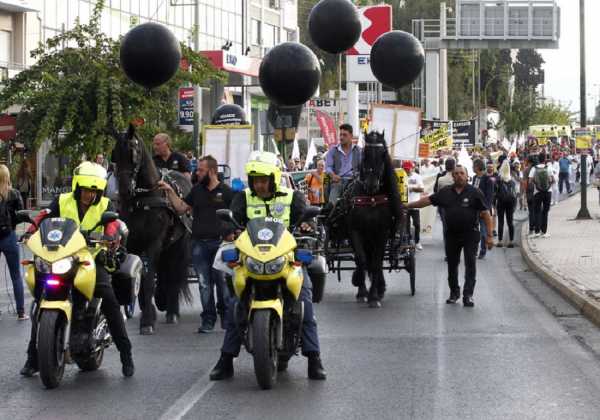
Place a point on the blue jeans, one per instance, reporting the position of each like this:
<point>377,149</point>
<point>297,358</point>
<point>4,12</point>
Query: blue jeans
<point>10,249</point>
<point>310,340</point>
<point>203,256</point>
<point>336,189</point>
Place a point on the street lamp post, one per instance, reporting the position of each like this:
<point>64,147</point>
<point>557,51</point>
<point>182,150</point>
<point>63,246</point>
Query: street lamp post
<point>583,210</point>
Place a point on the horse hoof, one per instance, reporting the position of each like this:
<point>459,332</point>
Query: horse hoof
<point>375,304</point>
<point>361,299</point>
<point>148,330</point>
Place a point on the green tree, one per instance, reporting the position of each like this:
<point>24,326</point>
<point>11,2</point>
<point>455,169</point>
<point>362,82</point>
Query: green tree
<point>77,92</point>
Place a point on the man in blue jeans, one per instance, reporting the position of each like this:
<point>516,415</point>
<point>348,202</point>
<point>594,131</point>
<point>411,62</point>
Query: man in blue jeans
<point>205,198</point>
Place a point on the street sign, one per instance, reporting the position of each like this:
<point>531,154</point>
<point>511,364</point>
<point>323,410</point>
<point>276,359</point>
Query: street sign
<point>375,21</point>
<point>186,106</point>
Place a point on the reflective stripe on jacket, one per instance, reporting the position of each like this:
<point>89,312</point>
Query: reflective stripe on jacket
<point>278,207</point>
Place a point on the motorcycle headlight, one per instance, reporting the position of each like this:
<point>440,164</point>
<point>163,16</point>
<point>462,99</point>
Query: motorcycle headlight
<point>62,266</point>
<point>254,266</point>
<point>275,266</point>
<point>42,266</point>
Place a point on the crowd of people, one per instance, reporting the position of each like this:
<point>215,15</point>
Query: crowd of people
<point>477,193</point>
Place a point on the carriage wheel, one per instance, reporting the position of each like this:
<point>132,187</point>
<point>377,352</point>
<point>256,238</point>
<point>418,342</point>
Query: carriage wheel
<point>412,272</point>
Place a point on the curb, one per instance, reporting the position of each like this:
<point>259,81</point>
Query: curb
<point>587,306</point>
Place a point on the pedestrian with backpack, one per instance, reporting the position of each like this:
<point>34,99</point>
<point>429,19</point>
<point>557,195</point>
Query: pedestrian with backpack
<point>506,201</point>
<point>542,177</point>
<point>10,203</point>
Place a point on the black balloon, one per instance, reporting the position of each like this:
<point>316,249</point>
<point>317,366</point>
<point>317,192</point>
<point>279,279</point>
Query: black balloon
<point>229,114</point>
<point>397,58</point>
<point>334,25</point>
<point>150,54</point>
<point>289,74</point>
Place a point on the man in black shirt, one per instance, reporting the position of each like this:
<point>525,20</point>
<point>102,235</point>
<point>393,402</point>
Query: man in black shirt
<point>205,198</point>
<point>165,158</point>
<point>464,205</point>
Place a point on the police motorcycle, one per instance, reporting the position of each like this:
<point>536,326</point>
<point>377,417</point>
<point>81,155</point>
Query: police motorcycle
<point>62,278</point>
<point>267,278</point>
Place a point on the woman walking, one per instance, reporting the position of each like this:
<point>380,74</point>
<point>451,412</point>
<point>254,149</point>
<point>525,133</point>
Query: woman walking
<point>506,201</point>
<point>10,203</point>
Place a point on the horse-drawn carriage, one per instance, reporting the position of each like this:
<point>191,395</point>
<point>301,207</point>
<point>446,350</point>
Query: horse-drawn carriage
<point>367,230</point>
<point>399,254</point>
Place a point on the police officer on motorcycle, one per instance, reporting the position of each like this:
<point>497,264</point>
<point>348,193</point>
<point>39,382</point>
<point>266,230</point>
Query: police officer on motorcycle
<point>265,197</point>
<point>85,205</point>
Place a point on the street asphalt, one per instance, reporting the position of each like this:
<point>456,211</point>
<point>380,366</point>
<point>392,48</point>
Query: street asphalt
<point>521,352</point>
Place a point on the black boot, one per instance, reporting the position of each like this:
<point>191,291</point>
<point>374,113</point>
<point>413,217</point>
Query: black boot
<point>128,368</point>
<point>315,367</point>
<point>223,369</point>
<point>30,368</point>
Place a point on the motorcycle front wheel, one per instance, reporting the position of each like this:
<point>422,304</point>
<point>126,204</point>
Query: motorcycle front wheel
<point>264,331</point>
<point>93,361</point>
<point>51,348</point>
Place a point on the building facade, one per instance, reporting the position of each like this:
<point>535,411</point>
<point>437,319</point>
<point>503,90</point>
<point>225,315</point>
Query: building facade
<point>241,27</point>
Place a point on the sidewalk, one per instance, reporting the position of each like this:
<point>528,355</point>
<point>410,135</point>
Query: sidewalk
<point>570,259</point>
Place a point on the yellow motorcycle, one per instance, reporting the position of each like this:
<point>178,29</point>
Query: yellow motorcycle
<point>62,279</point>
<point>267,279</point>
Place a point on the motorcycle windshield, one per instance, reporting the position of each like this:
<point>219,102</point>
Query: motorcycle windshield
<point>57,231</point>
<point>265,231</point>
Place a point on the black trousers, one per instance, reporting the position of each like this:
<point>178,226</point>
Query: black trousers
<point>455,243</point>
<point>508,210</point>
<point>415,215</point>
<point>541,204</point>
<point>110,308</point>
<point>531,214</point>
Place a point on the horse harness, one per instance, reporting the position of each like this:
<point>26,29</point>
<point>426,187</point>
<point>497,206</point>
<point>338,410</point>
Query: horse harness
<point>141,201</point>
<point>370,200</point>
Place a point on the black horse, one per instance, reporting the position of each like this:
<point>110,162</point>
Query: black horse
<point>156,232</point>
<point>374,213</point>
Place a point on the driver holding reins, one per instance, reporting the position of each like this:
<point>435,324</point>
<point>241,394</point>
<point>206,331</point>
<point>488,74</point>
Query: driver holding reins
<point>85,205</point>
<point>265,197</point>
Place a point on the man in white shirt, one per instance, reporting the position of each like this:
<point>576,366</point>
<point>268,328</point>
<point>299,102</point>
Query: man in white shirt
<point>542,177</point>
<point>415,189</point>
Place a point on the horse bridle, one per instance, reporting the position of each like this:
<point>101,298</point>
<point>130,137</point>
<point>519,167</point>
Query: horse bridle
<point>136,159</point>
<point>370,171</point>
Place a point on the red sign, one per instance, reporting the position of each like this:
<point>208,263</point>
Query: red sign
<point>8,127</point>
<point>376,21</point>
<point>234,63</point>
<point>327,126</point>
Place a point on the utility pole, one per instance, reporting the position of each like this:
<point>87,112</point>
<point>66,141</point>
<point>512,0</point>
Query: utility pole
<point>583,210</point>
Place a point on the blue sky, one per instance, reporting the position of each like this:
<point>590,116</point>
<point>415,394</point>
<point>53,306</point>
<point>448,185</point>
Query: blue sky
<point>562,65</point>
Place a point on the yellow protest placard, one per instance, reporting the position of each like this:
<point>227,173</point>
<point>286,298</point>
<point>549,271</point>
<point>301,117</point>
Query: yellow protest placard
<point>583,142</point>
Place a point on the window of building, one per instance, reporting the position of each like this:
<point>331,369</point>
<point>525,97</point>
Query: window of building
<point>270,35</point>
<point>290,36</point>
<point>274,4</point>
<point>5,48</point>
<point>256,35</point>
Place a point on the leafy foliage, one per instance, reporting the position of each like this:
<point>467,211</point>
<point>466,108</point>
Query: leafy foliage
<point>76,93</point>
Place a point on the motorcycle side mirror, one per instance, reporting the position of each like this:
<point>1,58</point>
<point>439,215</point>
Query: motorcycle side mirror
<point>108,217</point>
<point>310,213</point>
<point>24,216</point>
<point>226,215</point>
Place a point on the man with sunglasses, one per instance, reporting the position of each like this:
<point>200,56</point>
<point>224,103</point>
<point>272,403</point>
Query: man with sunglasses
<point>342,163</point>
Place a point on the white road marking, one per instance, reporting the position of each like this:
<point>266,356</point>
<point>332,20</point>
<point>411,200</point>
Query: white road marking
<point>187,401</point>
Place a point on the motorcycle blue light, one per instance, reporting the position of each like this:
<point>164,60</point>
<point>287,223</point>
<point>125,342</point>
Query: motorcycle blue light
<point>230,255</point>
<point>53,281</point>
<point>305,256</point>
